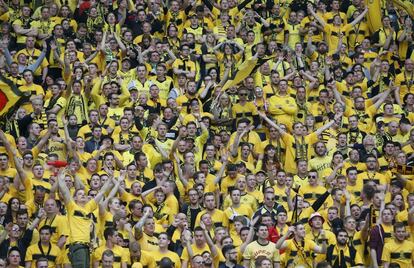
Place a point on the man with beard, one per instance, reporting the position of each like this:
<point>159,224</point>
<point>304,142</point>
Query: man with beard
<point>230,253</point>
<point>192,208</point>
<point>341,255</point>
<point>372,173</point>
<point>322,161</point>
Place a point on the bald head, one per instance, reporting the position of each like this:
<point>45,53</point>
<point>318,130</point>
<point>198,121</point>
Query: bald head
<point>51,206</point>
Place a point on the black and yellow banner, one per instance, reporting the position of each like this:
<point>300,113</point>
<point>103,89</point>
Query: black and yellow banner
<point>9,97</point>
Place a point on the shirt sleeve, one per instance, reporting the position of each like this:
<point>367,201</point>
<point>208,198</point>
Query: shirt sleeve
<point>386,254</point>
<point>29,254</point>
<point>184,255</point>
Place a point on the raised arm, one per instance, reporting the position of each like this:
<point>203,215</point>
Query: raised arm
<point>148,192</point>
<point>39,216</point>
<point>104,205</point>
<point>328,125</point>
<point>209,241</point>
<point>313,13</point>
<point>39,60</point>
<point>322,248</point>
<point>138,226</point>
<point>360,17</point>
<point>108,184</point>
<point>181,176</point>
<point>271,123</point>
<point>250,235</point>
<point>235,146</point>
<point>172,56</point>
<point>383,97</point>
<point>222,169</point>
<point>281,243</point>
<point>120,44</point>
<point>7,55</point>
<point>63,189</point>
<point>310,48</point>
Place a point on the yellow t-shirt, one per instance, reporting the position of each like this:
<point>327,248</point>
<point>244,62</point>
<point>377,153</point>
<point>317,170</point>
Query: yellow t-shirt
<point>397,252</point>
<point>79,221</point>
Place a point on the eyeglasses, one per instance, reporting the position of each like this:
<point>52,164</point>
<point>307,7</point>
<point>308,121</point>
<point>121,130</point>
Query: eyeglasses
<point>28,157</point>
<point>312,176</point>
<point>243,94</point>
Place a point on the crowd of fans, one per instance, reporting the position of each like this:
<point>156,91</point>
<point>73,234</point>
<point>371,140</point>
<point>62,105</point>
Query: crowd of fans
<point>206,134</point>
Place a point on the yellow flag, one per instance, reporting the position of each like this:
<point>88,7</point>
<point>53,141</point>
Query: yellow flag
<point>9,96</point>
<point>244,70</point>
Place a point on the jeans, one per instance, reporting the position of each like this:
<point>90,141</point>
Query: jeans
<point>79,255</point>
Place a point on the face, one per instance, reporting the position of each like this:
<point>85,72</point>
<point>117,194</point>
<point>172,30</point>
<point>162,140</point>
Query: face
<point>332,213</point>
<point>342,238</point>
<point>50,206</point>
<point>15,204</point>
<point>109,161</point>
<point>22,220</point>
<point>209,202</point>
<point>199,238</point>
<point>371,163</point>
<point>235,197</point>
<point>317,222</point>
<point>45,236</point>
<point>320,149</point>
<point>387,216</point>
<point>80,196</point>
<point>266,264</point>
<point>300,230</point>
<point>38,171</point>
<point>163,241</point>
<point>269,199</point>
<point>149,226</point>
<point>14,258</point>
<point>398,200</point>
<point>262,232</point>
<point>197,262</point>
<point>400,234</point>
<point>107,261</point>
